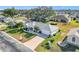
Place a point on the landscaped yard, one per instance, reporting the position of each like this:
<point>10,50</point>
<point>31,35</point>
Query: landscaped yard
<point>23,37</point>
<point>19,34</point>
<point>64,29</point>
<point>53,41</point>
<point>44,46</point>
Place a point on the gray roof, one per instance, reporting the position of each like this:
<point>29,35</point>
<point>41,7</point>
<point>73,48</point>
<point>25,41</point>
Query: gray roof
<point>60,17</point>
<point>6,19</point>
<point>43,26</point>
<point>74,31</point>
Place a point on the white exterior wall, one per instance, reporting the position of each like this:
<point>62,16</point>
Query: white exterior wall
<point>45,28</point>
<point>69,40</point>
<point>54,32</point>
<point>29,24</point>
<point>77,19</point>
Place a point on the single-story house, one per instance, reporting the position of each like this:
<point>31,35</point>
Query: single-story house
<point>77,19</point>
<point>72,38</point>
<point>60,18</point>
<point>5,19</point>
<point>46,29</point>
<point>60,12</point>
<point>72,16</point>
<point>2,18</point>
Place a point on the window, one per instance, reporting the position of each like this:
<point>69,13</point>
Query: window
<point>73,39</point>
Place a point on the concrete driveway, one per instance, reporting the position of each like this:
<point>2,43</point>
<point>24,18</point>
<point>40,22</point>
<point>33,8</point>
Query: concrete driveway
<point>33,43</point>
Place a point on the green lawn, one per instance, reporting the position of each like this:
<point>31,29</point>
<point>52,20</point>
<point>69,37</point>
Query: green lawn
<point>54,39</point>
<point>18,34</point>
<point>74,23</point>
<point>59,36</point>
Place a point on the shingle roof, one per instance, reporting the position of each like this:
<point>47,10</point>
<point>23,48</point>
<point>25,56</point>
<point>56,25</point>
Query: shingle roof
<point>59,16</point>
<point>43,26</point>
<point>74,31</point>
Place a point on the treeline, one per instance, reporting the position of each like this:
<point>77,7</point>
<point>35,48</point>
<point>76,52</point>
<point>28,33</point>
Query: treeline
<point>37,14</point>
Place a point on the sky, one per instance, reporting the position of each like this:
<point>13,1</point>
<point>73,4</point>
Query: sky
<point>17,7</point>
<point>54,7</point>
<point>66,7</point>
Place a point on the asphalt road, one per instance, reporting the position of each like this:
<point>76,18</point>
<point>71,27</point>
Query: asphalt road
<point>9,44</point>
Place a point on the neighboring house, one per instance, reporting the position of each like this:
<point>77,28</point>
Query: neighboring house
<point>60,18</point>
<point>2,18</point>
<point>12,24</point>
<point>60,12</point>
<point>46,29</point>
<point>77,19</point>
<point>73,16</point>
<point>63,12</point>
<point>72,38</point>
<point>6,19</point>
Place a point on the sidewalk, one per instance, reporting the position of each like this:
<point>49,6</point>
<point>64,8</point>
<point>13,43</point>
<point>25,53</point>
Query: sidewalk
<point>10,44</point>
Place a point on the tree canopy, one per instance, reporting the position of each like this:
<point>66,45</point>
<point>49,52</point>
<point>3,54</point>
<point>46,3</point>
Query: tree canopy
<point>40,13</point>
<point>9,12</point>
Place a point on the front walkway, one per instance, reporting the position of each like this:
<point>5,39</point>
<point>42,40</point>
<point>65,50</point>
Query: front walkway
<point>33,43</point>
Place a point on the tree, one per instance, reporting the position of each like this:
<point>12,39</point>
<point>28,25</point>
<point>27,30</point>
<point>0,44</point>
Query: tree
<point>40,13</point>
<point>20,25</point>
<point>9,12</point>
<point>36,28</point>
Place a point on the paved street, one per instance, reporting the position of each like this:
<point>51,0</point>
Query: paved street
<point>5,46</point>
<point>33,43</point>
<point>9,44</point>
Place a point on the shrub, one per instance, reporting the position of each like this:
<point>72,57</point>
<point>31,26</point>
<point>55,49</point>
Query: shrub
<point>54,34</point>
<point>47,44</point>
<point>36,29</point>
<point>40,32</point>
<point>42,45</point>
<point>53,23</point>
<point>51,40</point>
<point>47,47</point>
<point>59,30</point>
<point>77,22</point>
<point>49,36</point>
